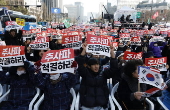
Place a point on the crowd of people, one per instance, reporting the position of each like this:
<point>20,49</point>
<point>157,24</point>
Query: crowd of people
<point>93,89</point>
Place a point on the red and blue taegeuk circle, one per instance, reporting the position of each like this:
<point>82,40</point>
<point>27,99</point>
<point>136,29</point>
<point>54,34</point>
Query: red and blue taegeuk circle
<point>150,77</point>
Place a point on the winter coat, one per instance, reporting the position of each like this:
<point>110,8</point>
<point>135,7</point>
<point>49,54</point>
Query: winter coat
<point>93,88</point>
<point>22,90</point>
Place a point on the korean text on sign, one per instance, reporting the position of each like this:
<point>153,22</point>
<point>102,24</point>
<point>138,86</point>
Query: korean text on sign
<point>72,41</point>
<point>132,55</point>
<point>12,55</point>
<point>40,43</point>
<point>58,61</point>
<point>158,63</point>
<point>98,44</point>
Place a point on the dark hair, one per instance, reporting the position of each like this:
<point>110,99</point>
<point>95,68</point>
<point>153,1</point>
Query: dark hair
<point>131,66</point>
<point>92,61</point>
<point>12,30</point>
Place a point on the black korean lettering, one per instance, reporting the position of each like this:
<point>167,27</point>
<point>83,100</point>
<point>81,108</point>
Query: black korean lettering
<point>101,48</point>
<point>36,46</point>
<point>53,66</point>
<point>13,60</point>
<point>91,47</point>
<point>97,47</point>
<point>60,65</point>
<point>40,46</point>
<point>19,59</point>
<point>6,61</point>
<point>45,67</point>
<point>1,61</point>
<point>23,58</point>
<point>67,64</point>
<point>107,49</point>
<point>31,45</point>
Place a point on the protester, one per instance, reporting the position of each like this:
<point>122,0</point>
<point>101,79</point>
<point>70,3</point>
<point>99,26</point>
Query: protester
<point>94,93</point>
<point>12,38</point>
<point>22,90</point>
<point>56,87</point>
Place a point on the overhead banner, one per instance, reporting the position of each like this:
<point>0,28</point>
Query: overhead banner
<point>72,41</point>
<point>158,63</point>
<point>12,56</point>
<point>98,44</point>
<point>132,55</point>
<point>40,43</point>
<point>57,61</point>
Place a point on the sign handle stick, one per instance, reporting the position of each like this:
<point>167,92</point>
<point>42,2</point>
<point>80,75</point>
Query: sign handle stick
<point>138,86</point>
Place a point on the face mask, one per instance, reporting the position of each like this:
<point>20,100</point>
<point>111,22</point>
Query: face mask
<point>128,50</point>
<point>155,44</point>
<point>19,73</point>
<point>54,77</point>
<point>120,45</point>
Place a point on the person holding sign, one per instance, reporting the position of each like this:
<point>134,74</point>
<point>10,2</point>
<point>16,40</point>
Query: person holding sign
<point>22,89</point>
<point>94,93</point>
<point>56,87</point>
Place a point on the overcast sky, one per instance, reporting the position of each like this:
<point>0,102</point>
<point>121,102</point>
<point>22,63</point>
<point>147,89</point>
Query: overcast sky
<point>92,5</point>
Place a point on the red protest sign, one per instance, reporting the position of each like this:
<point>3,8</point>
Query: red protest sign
<point>8,23</point>
<point>124,35</point>
<point>132,55</point>
<point>40,43</point>
<point>115,44</point>
<point>135,41</point>
<point>12,55</point>
<point>33,31</point>
<point>72,41</point>
<point>93,39</point>
<point>6,51</point>
<point>90,32</point>
<point>57,55</point>
<point>25,32</point>
<point>158,63</point>
<point>38,35</point>
<point>57,61</point>
<point>98,44</point>
<point>44,33</point>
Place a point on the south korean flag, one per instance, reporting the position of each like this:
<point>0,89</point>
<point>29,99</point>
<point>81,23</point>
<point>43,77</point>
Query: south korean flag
<point>150,76</point>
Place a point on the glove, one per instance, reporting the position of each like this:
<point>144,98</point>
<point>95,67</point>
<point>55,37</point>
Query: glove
<point>37,66</point>
<point>74,64</point>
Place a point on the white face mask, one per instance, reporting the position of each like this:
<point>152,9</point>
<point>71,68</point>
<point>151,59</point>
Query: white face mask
<point>55,77</point>
<point>128,50</point>
<point>155,44</point>
<point>19,73</point>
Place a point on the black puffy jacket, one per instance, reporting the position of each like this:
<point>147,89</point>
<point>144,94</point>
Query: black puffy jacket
<point>93,88</point>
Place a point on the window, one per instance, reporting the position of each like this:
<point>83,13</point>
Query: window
<point>162,11</point>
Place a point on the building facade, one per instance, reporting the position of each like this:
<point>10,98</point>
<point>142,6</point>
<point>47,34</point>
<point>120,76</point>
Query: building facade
<point>47,5</point>
<point>75,12</point>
